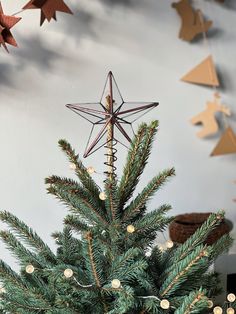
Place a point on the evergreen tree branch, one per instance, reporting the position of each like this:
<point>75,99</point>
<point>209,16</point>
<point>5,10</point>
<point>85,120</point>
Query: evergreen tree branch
<point>155,184</point>
<point>184,269</point>
<point>78,203</point>
<point>197,238</point>
<point>89,239</point>
<point>136,161</point>
<point>80,170</point>
<point>111,201</point>
<point>121,262</point>
<point>221,246</point>
<point>93,264</point>
<point>76,224</point>
<point>71,186</point>
<point>10,276</point>
<point>124,192</point>
<point>153,221</point>
<point>20,252</point>
<point>27,235</point>
<point>195,302</point>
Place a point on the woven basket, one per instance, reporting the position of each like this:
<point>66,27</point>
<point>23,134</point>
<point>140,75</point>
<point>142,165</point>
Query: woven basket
<point>183,226</point>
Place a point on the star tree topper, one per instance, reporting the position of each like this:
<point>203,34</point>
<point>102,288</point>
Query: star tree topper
<point>6,23</point>
<point>48,8</point>
<point>109,114</point>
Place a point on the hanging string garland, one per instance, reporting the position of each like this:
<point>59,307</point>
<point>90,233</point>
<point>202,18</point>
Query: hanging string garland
<point>205,74</point>
<point>48,12</point>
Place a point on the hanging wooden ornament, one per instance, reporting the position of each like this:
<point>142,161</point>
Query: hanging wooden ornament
<point>207,117</point>
<point>6,23</point>
<point>204,73</point>
<point>192,23</point>
<point>226,144</point>
<point>48,8</point>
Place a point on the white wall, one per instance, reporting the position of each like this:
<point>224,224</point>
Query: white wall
<point>68,61</point>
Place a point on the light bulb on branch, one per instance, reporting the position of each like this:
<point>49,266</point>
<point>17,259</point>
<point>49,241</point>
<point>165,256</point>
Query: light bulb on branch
<point>72,166</point>
<point>68,273</point>
<point>231,297</point>
<point>165,304</point>
<point>103,196</point>
<point>29,269</point>
<point>217,310</point>
<point>90,170</point>
<point>116,284</point>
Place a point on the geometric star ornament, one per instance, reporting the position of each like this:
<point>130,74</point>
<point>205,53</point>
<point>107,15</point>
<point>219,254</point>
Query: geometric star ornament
<point>48,8</point>
<point>110,114</point>
<point>6,23</point>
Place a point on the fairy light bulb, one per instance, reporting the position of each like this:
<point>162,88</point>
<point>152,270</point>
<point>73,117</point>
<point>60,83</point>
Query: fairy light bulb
<point>130,229</point>
<point>169,244</point>
<point>2,290</point>
<point>102,196</point>
<point>161,248</point>
<point>29,269</point>
<point>210,304</point>
<point>116,284</point>
<point>72,166</point>
<point>164,304</point>
<point>90,170</point>
<point>230,310</point>
<point>217,310</point>
<point>68,273</point>
<point>231,297</point>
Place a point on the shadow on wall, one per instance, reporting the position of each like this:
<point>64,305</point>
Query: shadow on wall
<point>33,52</point>
<point>231,4</point>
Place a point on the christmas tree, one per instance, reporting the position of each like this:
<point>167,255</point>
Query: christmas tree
<point>107,260</point>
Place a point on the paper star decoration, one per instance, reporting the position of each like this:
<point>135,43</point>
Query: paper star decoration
<point>48,8</point>
<point>6,23</point>
<point>111,111</point>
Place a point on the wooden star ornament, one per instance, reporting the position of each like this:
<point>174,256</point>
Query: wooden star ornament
<point>6,23</point>
<point>48,8</point>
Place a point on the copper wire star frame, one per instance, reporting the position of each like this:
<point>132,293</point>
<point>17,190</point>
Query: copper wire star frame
<point>109,115</point>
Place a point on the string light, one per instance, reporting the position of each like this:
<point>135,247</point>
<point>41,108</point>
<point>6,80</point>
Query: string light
<point>90,170</point>
<point>231,297</point>
<point>230,310</point>
<point>68,273</point>
<point>130,229</point>
<point>29,269</point>
<point>165,304</point>
<point>72,166</point>
<point>116,284</point>
<point>210,304</point>
<point>103,196</point>
<point>169,244</point>
<point>217,310</point>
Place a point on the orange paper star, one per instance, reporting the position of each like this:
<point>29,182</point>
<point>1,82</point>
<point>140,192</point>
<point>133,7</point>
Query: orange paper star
<point>48,8</point>
<point>6,23</point>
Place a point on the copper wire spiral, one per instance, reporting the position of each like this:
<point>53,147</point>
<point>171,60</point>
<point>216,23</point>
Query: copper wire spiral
<point>111,159</point>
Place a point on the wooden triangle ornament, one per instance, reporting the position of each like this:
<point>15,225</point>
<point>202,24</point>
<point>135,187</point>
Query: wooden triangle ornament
<point>204,73</point>
<point>226,144</point>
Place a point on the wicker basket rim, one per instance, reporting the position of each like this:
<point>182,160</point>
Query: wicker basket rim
<point>191,218</point>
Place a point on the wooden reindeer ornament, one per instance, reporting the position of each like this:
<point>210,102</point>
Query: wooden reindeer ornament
<point>192,21</point>
<point>207,117</point>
